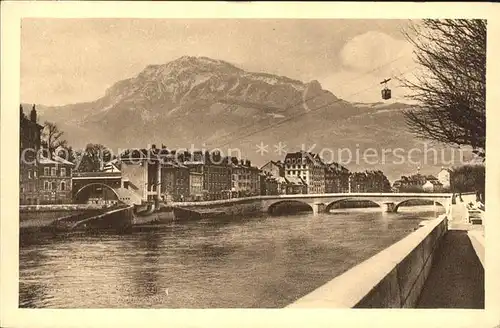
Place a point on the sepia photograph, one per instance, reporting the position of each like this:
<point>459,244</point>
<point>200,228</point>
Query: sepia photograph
<point>250,163</point>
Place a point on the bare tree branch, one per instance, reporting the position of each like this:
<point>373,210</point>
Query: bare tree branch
<point>452,85</point>
<point>52,137</point>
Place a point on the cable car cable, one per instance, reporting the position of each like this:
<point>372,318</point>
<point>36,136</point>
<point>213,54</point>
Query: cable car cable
<point>302,114</point>
<point>303,101</point>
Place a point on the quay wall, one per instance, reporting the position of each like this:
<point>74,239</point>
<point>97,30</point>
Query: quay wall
<point>38,220</point>
<point>35,217</point>
<point>393,278</point>
<point>243,208</point>
<point>212,203</point>
<point>228,207</point>
<point>38,217</point>
<point>59,207</point>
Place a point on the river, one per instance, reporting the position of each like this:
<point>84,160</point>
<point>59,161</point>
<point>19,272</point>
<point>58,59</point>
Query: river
<point>258,262</point>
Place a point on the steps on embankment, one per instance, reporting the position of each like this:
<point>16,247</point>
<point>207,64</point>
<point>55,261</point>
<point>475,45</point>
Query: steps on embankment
<point>109,218</point>
<point>66,222</point>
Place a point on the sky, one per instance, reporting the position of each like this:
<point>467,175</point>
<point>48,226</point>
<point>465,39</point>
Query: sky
<point>66,61</point>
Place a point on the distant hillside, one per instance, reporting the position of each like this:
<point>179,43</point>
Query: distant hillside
<point>208,103</point>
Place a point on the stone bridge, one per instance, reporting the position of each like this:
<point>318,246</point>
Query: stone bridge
<point>319,203</point>
<point>390,202</point>
<point>120,217</point>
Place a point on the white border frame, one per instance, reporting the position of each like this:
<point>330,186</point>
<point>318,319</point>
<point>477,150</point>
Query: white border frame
<point>11,316</point>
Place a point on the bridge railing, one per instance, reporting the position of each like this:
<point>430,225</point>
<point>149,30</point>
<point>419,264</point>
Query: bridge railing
<point>306,196</point>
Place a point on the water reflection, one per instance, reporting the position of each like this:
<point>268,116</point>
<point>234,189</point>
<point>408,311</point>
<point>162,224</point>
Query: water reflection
<point>145,281</point>
<point>249,262</point>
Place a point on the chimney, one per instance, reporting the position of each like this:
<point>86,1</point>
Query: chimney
<point>33,114</point>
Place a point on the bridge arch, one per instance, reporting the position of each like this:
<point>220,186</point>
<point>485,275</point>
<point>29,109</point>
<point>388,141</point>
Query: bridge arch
<point>94,184</point>
<point>279,206</point>
<point>330,205</point>
<point>438,202</point>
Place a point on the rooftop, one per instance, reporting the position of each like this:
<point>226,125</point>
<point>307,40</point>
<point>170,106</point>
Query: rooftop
<point>277,163</point>
<point>55,160</point>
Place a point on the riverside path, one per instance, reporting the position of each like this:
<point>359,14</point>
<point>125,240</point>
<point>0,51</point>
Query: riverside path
<point>456,279</point>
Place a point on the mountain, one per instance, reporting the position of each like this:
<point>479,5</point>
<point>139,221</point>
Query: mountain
<point>205,103</point>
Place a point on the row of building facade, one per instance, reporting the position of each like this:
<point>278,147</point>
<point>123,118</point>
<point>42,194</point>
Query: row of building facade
<point>158,172</point>
<point>188,177</point>
<point>208,176</point>
<point>317,177</point>
<point>424,183</point>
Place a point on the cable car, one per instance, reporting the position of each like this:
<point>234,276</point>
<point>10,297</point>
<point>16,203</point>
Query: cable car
<point>386,92</point>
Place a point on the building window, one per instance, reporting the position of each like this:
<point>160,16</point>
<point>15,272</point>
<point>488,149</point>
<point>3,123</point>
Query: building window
<point>29,174</point>
<point>46,185</point>
<point>54,186</point>
<point>53,171</point>
<point>45,171</point>
<point>34,173</point>
<point>63,186</point>
<point>63,171</point>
